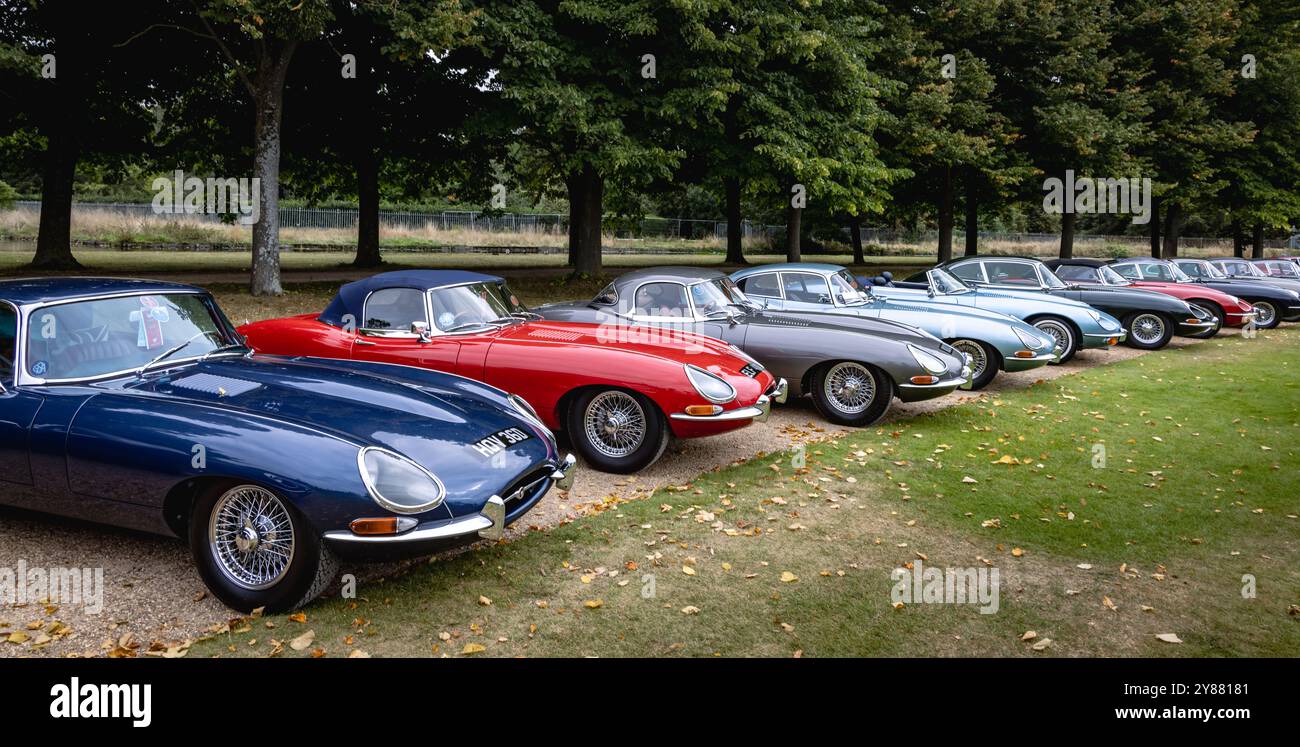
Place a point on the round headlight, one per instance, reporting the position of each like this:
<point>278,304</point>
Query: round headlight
<point>931,363</point>
<point>397,483</point>
<point>1031,341</point>
<point>710,386</point>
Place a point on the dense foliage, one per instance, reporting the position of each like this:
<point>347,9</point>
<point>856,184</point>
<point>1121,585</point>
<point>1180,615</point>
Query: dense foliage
<point>824,115</point>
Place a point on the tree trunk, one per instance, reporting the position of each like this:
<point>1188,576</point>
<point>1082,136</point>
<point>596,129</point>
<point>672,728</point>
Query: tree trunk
<point>855,237</point>
<point>1155,227</point>
<point>793,218</point>
<point>1257,242</point>
<point>1173,224</point>
<point>945,216</point>
<point>972,219</point>
<point>62,121</point>
<point>735,244</point>
<point>1067,235</point>
<point>586,209</point>
<point>268,100</point>
<point>54,240</point>
<point>366,156</point>
<point>367,209</point>
<point>1238,240</point>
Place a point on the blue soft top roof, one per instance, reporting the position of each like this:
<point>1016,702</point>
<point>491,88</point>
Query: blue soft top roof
<point>352,296</point>
<point>47,290</point>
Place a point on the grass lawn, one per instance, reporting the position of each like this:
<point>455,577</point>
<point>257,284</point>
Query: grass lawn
<point>767,558</point>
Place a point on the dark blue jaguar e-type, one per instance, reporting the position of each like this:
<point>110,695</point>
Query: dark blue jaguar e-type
<point>136,404</point>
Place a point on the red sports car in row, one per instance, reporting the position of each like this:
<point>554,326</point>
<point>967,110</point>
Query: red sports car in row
<point>618,393</point>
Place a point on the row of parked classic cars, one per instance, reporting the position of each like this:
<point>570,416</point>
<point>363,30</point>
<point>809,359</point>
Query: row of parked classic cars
<point>418,411</point>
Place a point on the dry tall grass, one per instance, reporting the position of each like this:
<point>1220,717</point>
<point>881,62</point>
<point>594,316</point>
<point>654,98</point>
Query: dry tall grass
<point>109,227</point>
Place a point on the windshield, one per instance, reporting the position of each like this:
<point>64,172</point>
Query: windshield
<point>848,289</point>
<point>1200,269</point>
<point>96,338</point>
<point>943,282</point>
<point>716,296</point>
<point>1049,278</point>
<point>1179,275</point>
<point>473,305</point>
<point>1110,277</point>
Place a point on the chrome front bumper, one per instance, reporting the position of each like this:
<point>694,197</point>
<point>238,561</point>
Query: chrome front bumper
<point>757,412</point>
<point>490,523</point>
<point>1119,336</point>
<point>966,378</point>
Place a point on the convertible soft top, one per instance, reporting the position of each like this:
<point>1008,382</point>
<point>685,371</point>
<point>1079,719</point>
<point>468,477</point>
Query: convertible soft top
<point>352,296</point>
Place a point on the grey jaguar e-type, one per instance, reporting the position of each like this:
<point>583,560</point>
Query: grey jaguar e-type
<point>852,366</point>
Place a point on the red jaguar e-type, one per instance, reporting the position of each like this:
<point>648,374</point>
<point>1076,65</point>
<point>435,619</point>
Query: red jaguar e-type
<point>617,392</point>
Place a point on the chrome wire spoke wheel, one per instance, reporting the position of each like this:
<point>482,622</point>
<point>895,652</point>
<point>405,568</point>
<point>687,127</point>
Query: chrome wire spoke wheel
<point>979,360</point>
<point>1148,329</point>
<point>615,424</point>
<point>1264,313</point>
<point>851,387</point>
<point>252,537</point>
<point>1063,337</point>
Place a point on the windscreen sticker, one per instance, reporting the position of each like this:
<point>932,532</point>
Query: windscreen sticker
<point>39,368</point>
<point>151,316</point>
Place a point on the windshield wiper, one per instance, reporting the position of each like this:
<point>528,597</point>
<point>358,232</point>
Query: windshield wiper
<point>526,315</point>
<point>170,352</point>
<point>225,348</point>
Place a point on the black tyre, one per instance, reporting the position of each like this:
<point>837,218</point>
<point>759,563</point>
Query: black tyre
<point>851,393</point>
<point>1067,342</point>
<point>985,360</point>
<point>616,430</point>
<point>1266,314</point>
<point>1214,310</point>
<point>253,549</point>
<point>1148,330</point>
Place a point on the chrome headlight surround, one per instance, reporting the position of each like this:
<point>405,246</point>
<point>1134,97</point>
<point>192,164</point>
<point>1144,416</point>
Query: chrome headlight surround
<point>928,361</point>
<point>1033,342</point>
<point>710,386</point>
<point>523,408</point>
<point>372,460</point>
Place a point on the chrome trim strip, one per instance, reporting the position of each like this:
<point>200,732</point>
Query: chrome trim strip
<point>443,530</point>
<point>946,384</point>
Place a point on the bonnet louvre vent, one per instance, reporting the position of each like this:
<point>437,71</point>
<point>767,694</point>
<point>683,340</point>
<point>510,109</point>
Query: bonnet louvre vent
<point>218,385</point>
<point>555,334</point>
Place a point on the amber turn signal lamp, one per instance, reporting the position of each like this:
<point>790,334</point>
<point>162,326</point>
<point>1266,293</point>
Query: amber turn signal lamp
<point>703,410</point>
<point>383,525</point>
<point>1112,341</point>
<point>1024,354</point>
<point>924,379</point>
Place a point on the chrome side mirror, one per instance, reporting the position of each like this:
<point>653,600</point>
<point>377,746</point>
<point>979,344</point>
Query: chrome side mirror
<point>421,329</point>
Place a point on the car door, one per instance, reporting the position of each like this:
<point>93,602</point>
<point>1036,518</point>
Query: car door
<point>18,407</point>
<point>385,332</point>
